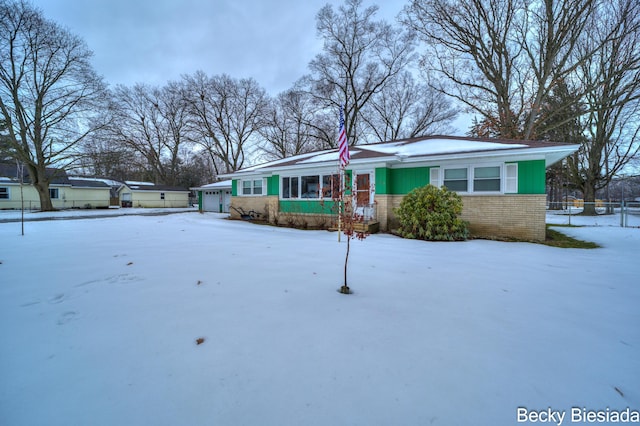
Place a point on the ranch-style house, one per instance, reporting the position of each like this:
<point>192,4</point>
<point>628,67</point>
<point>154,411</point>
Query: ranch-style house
<point>501,182</point>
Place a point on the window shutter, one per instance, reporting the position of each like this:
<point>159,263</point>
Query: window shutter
<point>511,178</point>
<point>434,176</point>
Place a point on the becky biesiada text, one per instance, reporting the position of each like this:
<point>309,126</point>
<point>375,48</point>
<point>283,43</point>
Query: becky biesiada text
<point>605,416</point>
<point>577,415</point>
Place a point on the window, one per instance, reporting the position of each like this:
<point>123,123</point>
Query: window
<point>252,187</point>
<point>54,193</point>
<point>456,179</point>
<point>310,187</point>
<point>4,193</point>
<point>478,179</point>
<point>257,187</point>
<point>290,187</point>
<point>330,185</point>
<point>246,187</point>
<point>486,179</point>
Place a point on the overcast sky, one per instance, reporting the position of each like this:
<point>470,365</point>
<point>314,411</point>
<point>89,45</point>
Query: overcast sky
<point>156,41</point>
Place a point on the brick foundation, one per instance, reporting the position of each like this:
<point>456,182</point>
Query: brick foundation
<point>489,216</point>
<point>508,216</point>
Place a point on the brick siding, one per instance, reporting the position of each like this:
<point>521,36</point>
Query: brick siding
<point>509,216</point>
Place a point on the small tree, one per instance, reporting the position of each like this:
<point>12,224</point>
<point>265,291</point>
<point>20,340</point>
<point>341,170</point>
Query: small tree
<point>350,222</point>
<point>429,213</point>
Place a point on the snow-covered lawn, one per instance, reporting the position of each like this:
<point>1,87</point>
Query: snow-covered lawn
<point>99,320</point>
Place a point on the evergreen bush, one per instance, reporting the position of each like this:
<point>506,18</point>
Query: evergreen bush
<point>431,213</point>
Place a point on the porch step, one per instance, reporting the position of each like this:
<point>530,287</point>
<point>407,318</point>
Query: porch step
<point>368,227</point>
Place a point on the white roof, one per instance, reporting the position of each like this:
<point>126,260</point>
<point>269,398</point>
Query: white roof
<point>221,184</point>
<point>427,148</point>
<point>133,182</point>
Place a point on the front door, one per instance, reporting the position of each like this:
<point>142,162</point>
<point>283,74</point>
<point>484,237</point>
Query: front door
<point>364,194</point>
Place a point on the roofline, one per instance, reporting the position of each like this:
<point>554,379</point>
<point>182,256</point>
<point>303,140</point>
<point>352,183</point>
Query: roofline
<point>561,151</point>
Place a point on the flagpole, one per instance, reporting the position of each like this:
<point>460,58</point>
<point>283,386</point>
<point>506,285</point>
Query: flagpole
<point>340,173</point>
<point>343,160</point>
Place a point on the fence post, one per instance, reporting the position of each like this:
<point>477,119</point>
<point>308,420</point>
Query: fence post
<point>569,214</point>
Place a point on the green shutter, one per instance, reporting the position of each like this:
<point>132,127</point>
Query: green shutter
<point>234,188</point>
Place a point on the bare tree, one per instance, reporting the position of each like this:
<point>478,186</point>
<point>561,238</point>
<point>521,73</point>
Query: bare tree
<point>152,122</point>
<point>289,128</point>
<point>103,157</point>
<point>405,108</point>
<point>613,75</point>
<point>501,58</point>
<point>360,55</point>
<point>549,37</point>
<point>226,115</point>
<point>48,92</point>
<point>469,46</point>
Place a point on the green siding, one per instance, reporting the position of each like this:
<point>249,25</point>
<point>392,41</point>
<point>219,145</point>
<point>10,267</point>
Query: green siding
<point>402,181</point>
<point>307,206</point>
<point>531,177</point>
<point>273,185</point>
<point>382,180</point>
<point>234,188</point>
<point>348,178</point>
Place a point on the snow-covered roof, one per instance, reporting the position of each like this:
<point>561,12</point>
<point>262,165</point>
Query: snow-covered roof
<point>221,184</point>
<point>148,186</point>
<point>131,183</point>
<point>421,149</point>
<point>109,182</point>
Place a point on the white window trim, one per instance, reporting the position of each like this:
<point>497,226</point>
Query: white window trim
<point>508,185</point>
<point>8,193</point>
<point>321,191</point>
<point>501,178</point>
<point>241,187</point>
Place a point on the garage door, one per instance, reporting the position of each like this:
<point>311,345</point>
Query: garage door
<point>211,201</point>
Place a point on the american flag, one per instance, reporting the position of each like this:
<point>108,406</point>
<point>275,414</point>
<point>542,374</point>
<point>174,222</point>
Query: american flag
<point>343,145</point>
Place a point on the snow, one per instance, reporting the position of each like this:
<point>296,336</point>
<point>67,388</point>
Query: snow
<point>109,182</point>
<point>221,184</point>
<point>137,183</point>
<point>327,157</point>
<point>99,320</point>
<point>35,215</point>
<point>438,146</point>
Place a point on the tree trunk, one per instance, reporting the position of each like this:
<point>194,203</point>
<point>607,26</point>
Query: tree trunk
<point>45,198</point>
<point>40,182</point>
<point>589,192</point>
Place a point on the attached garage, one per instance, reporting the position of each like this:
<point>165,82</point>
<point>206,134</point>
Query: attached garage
<point>214,197</point>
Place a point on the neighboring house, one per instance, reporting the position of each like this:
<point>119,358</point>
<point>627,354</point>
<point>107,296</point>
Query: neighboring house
<point>502,182</point>
<point>145,194</point>
<point>214,197</point>
<point>65,192</point>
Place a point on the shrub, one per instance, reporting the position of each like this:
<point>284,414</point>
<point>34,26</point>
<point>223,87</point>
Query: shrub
<point>429,213</point>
